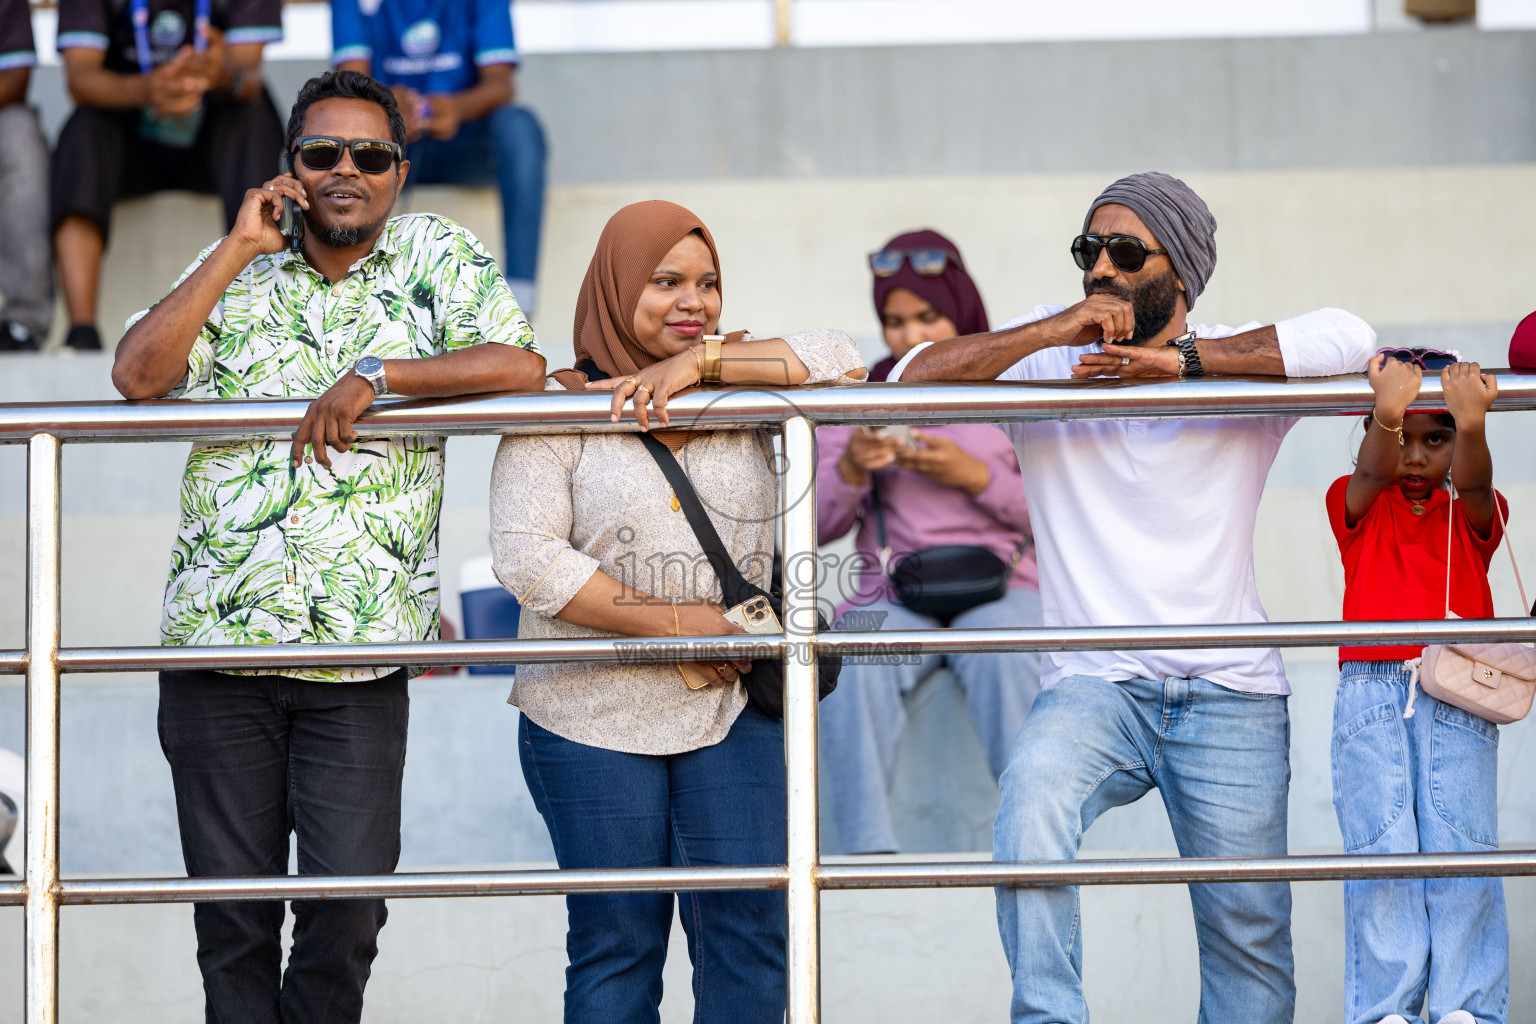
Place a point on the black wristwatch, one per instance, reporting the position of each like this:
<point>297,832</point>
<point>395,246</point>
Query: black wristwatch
<point>1189,356</point>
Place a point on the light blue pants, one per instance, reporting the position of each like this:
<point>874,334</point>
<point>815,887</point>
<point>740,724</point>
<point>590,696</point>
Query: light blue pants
<point>1221,761</point>
<point>863,719</point>
<point>1426,784</point>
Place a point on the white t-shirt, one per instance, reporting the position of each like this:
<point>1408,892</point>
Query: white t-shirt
<point>1150,522</point>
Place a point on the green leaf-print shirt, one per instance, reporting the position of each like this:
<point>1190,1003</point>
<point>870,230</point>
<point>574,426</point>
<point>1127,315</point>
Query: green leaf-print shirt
<point>267,553</point>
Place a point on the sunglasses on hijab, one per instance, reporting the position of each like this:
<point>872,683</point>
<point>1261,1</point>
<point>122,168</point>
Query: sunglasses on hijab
<point>1430,359</point>
<point>924,262</point>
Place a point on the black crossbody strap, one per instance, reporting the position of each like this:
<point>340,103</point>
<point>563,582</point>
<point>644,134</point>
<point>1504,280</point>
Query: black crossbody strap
<point>733,584</point>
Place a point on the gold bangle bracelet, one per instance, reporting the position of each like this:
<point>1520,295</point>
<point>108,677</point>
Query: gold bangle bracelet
<point>1396,430</point>
<point>712,344</point>
<point>698,362</point>
<point>677,624</point>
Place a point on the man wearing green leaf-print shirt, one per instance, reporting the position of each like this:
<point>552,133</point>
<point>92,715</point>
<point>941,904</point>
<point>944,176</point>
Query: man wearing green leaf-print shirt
<point>289,543</point>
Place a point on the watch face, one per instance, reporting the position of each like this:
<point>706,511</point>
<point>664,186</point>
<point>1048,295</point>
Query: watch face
<point>369,365</point>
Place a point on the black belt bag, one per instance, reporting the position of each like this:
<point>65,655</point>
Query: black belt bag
<point>944,581</point>
<point>765,682</point>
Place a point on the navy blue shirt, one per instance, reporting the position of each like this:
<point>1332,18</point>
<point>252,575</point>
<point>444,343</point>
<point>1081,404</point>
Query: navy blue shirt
<point>432,46</point>
<point>16,49</point>
<point>104,25</point>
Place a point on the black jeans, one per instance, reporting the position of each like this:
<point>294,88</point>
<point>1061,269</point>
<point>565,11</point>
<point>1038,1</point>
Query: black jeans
<point>253,759</point>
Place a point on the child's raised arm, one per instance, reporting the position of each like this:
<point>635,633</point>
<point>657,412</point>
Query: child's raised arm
<point>1396,385</point>
<point>1468,395</point>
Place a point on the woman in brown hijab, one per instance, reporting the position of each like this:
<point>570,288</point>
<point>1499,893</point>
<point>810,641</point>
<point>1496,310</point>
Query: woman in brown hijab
<point>629,765</point>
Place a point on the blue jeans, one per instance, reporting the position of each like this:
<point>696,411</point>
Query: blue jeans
<point>716,806</point>
<point>253,759</point>
<point>506,149</point>
<point>1221,760</point>
<point>1426,784</point>
<point>863,719</point>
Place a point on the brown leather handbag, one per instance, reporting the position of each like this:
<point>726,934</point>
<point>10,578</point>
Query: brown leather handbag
<point>1495,682</point>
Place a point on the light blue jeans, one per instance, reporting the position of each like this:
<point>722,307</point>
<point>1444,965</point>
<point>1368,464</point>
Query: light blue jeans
<point>1426,784</point>
<point>1221,760</point>
<point>863,719</point>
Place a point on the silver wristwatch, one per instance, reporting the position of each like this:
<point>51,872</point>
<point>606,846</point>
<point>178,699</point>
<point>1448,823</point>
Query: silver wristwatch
<point>371,369</point>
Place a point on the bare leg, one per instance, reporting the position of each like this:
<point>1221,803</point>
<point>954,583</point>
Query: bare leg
<point>79,247</point>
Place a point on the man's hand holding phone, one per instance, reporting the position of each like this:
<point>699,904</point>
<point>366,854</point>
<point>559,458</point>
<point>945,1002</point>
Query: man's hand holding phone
<point>256,226</point>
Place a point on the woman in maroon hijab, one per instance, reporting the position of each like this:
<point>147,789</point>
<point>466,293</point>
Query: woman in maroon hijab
<point>946,485</point>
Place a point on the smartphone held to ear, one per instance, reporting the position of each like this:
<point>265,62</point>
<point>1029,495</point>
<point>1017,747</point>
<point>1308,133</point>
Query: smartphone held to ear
<point>291,220</point>
<point>291,223</point>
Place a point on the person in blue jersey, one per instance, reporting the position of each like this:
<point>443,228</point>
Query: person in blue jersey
<point>451,65</point>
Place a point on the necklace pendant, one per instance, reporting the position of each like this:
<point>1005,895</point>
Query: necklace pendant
<point>677,506</point>
<point>1418,508</point>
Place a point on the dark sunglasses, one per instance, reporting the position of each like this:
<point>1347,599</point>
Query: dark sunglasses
<point>322,152</point>
<point>925,262</point>
<point>1126,252</point>
<point>1423,358</point>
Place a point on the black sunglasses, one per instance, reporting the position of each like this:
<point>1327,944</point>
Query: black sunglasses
<point>1126,252</point>
<point>322,152</point>
<point>925,262</point>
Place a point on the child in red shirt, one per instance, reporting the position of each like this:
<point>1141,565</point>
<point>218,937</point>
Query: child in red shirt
<point>1425,779</point>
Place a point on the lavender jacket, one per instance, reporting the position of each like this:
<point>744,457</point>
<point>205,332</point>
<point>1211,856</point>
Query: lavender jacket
<point>922,513</point>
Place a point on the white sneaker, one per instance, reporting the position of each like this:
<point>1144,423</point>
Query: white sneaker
<point>1396,1018</point>
<point>1458,1017</point>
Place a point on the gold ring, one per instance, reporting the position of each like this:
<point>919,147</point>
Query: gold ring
<point>722,666</point>
<point>630,380</point>
<point>642,387</point>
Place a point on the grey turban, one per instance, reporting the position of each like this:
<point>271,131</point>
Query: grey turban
<point>1178,218</point>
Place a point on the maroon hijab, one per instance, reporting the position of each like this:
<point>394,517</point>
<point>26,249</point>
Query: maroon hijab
<point>952,293</point>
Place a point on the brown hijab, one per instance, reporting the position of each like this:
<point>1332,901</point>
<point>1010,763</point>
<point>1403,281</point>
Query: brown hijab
<point>631,245</point>
<point>633,242</point>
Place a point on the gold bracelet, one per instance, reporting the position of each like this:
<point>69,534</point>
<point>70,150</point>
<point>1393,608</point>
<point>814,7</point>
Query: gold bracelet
<point>712,358</point>
<point>698,362</point>
<point>1396,430</point>
<point>677,625</point>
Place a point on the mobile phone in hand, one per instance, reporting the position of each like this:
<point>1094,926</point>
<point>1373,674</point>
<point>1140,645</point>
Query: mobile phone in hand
<point>291,221</point>
<point>755,615</point>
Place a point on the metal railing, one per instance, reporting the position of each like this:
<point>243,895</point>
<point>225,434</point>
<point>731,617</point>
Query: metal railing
<point>44,428</point>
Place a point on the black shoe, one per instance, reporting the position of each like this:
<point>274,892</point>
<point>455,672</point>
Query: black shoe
<point>83,338</point>
<point>16,338</point>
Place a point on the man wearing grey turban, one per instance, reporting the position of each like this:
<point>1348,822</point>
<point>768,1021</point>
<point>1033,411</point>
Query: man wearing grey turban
<point>1149,522</point>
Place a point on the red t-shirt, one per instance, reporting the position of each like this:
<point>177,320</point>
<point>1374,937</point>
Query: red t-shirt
<point>1394,563</point>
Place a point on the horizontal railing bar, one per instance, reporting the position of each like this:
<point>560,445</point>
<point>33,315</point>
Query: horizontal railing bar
<point>896,643</point>
<point>415,654</point>
<point>565,412</point>
<point>924,875</point>
<point>1176,870</point>
<point>532,882</point>
<point>1141,638</point>
<point>13,662</point>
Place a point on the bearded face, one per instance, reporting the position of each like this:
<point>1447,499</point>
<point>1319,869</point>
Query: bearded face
<point>1153,299</point>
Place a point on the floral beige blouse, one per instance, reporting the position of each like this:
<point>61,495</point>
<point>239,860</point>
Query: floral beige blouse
<point>566,506</point>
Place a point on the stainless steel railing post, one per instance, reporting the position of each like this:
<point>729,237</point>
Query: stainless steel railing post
<point>803,959</point>
<point>41,977</point>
